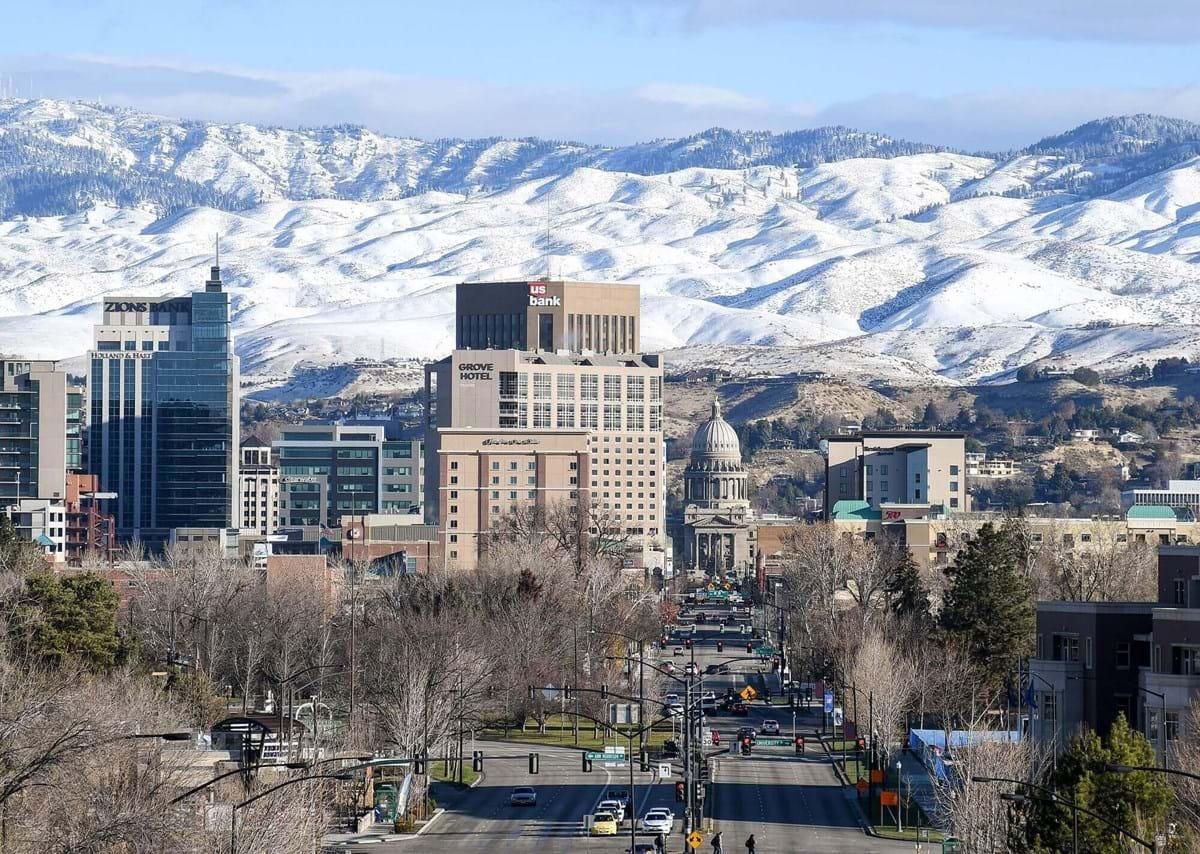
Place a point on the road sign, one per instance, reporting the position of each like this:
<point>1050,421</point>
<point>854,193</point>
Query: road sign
<point>772,742</point>
<point>765,649</point>
<point>747,693</point>
<point>837,715</point>
<point>829,702</point>
<point>695,839</point>
<point>664,771</point>
<point>950,845</point>
<point>605,757</point>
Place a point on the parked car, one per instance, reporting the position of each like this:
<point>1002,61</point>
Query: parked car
<point>604,824</point>
<point>660,820</point>
<point>770,728</point>
<point>523,796</point>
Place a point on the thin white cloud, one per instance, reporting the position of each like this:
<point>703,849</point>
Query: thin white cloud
<point>433,107</point>
<point>697,97</point>
<point>1103,20</point>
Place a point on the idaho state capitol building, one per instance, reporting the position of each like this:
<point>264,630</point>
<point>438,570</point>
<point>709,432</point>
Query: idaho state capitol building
<point>719,530</point>
<point>545,399</point>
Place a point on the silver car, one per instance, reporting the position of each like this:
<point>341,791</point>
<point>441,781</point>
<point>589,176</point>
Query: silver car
<point>523,796</point>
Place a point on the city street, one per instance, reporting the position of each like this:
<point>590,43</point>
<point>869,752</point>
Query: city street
<point>790,803</point>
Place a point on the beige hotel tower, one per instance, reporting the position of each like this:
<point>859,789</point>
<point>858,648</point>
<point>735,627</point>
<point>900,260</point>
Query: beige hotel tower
<point>545,398</point>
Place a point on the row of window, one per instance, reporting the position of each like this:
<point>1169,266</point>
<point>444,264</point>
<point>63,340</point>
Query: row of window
<point>515,385</point>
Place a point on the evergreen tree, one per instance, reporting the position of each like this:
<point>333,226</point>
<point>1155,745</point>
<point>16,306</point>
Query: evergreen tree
<point>907,596</point>
<point>1138,802</point>
<point>74,617</point>
<point>989,605</point>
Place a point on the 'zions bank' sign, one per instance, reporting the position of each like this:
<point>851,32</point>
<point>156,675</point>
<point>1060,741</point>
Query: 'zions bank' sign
<point>537,296</point>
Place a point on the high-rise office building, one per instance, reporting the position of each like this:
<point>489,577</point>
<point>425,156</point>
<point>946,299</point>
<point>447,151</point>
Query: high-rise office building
<point>258,489</point>
<point>332,470</point>
<point>163,403</point>
<point>39,430</point>
<point>564,361</point>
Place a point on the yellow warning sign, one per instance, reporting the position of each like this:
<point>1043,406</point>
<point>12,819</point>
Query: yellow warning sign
<point>695,839</point>
<point>747,693</point>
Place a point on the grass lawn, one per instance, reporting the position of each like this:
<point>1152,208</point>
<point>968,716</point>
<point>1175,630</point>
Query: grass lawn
<point>559,732</point>
<point>438,772</point>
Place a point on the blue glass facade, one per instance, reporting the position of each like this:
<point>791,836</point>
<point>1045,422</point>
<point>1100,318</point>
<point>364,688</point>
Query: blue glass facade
<point>163,430</point>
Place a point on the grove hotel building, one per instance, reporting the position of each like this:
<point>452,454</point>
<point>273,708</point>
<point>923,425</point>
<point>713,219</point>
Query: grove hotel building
<point>538,408</point>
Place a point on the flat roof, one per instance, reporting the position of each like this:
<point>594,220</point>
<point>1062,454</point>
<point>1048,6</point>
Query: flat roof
<point>895,434</point>
<point>1096,607</point>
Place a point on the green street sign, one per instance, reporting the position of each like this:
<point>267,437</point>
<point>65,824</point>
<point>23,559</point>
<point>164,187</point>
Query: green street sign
<point>718,594</point>
<point>950,845</point>
<point>772,742</point>
<point>764,650</point>
<point>605,757</point>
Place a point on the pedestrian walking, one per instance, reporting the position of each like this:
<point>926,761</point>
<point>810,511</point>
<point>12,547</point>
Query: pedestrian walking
<point>750,844</point>
<point>716,844</point>
<point>660,844</point>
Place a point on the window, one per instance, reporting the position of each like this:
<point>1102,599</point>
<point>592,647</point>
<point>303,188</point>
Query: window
<point>612,416</point>
<point>495,465</point>
<point>566,415</point>
<point>1050,707</point>
<point>1124,655</point>
<point>655,416</point>
<point>1185,660</point>
<point>917,495</point>
<point>1152,725</point>
<point>588,416</point>
<point>541,414</point>
<point>1179,591</point>
<point>953,470</point>
<point>883,486</point>
<point>883,470</point>
<point>1085,537</point>
<point>917,479</point>
<point>953,502</point>
<point>655,388</point>
<point>1171,726</point>
<point>566,386</point>
<point>508,383</point>
<point>454,465</point>
<point>1066,647</point>
<point>1087,653</point>
<point>635,417</point>
<point>355,453</point>
<point>953,486</point>
<point>635,388</point>
<point>869,470</point>
<point>589,387</point>
<point>541,386</point>
<point>612,387</point>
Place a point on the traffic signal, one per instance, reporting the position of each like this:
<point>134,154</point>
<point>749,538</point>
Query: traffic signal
<point>477,761</point>
<point>799,745</point>
<point>745,747</point>
<point>688,643</point>
<point>644,761</point>
<point>862,743</point>
<point>419,765</point>
<point>587,763</point>
<point>603,692</point>
<point>680,792</point>
<point>533,763</point>
<point>749,648</point>
<point>720,646</point>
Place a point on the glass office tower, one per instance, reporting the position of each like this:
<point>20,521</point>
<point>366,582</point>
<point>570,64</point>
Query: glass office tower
<point>163,399</point>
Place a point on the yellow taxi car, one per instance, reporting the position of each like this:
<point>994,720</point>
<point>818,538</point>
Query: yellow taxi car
<point>604,824</point>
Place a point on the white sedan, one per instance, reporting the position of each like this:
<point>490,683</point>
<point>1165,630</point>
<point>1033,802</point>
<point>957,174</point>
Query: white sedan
<point>658,821</point>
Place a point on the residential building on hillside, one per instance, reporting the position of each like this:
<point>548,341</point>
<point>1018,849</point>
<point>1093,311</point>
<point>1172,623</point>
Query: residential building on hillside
<point>327,471</point>
<point>39,430</point>
<point>163,412</point>
<point>905,472</point>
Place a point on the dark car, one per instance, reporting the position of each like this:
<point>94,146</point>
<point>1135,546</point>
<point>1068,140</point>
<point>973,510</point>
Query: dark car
<point>747,732</point>
<point>670,749</point>
<point>739,709</point>
<point>716,669</point>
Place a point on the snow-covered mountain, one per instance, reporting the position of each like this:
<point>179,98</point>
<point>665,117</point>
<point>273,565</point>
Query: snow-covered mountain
<point>910,265</point>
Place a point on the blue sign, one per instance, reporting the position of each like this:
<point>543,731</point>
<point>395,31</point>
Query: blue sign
<point>829,702</point>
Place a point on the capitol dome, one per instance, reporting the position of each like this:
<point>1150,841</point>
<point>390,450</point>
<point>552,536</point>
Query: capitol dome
<point>715,476</point>
<point>716,440</point>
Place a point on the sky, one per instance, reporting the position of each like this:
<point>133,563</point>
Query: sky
<point>965,73</point>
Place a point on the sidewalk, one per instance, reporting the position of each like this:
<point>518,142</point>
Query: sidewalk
<point>382,832</point>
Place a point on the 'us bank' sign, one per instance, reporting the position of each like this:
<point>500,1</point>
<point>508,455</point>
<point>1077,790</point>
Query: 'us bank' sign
<point>537,296</point>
